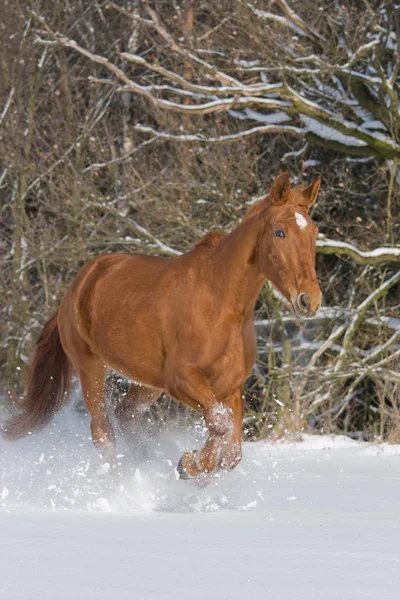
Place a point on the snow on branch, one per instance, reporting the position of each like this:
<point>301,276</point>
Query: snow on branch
<point>327,119</point>
<point>222,139</point>
<point>213,106</point>
<point>361,51</point>
<point>349,332</point>
<point>369,257</point>
<point>291,20</point>
<point>269,16</point>
<point>298,21</point>
<point>359,315</point>
<point>363,372</point>
<point>245,90</point>
<point>322,122</point>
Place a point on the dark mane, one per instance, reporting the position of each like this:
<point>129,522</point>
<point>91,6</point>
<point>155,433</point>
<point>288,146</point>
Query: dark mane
<point>211,239</point>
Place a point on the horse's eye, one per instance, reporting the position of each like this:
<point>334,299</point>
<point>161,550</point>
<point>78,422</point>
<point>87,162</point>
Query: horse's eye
<point>279,233</point>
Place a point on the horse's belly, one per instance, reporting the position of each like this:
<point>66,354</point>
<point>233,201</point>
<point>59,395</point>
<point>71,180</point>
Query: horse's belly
<point>134,351</point>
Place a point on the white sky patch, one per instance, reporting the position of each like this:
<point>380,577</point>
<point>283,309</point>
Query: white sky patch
<point>300,220</point>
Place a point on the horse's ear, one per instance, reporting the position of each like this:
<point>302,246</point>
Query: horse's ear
<point>280,189</point>
<point>310,194</point>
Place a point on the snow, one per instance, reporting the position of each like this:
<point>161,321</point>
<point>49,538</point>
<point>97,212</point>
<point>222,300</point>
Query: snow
<point>268,128</point>
<point>377,252</point>
<point>276,293</point>
<point>295,152</point>
<point>276,117</point>
<point>278,18</point>
<point>307,519</point>
<point>329,133</point>
<point>373,125</point>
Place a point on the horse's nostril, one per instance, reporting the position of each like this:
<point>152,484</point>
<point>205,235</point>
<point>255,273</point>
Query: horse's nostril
<point>303,302</point>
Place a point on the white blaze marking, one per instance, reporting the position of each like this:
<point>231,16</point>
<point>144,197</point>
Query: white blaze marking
<point>300,220</point>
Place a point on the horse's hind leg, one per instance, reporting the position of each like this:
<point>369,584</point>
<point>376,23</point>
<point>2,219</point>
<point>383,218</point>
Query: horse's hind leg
<point>129,411</point>
<point>92,373</point>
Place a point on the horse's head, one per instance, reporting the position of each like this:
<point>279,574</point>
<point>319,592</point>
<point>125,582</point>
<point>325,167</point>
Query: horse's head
<point>286,250</point>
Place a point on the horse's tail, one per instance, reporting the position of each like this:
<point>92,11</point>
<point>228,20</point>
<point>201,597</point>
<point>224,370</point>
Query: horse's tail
<point>48,386</point>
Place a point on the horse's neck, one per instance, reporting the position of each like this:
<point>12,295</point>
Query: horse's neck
<point>237,275</point>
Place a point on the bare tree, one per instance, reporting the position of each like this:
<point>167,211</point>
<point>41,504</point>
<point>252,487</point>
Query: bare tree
<point>139,125</point>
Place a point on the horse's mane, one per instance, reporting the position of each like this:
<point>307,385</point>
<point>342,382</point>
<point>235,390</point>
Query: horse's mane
<point>295,197</point>
<point>255,209</point>
<point>211,239</point>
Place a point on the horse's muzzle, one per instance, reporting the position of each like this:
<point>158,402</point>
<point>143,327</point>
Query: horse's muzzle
<point>304,307</point>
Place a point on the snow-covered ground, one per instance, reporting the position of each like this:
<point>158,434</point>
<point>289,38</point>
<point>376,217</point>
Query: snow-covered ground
<point>313,519</point>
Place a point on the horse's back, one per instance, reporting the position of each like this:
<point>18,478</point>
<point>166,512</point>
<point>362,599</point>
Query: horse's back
<point>114,270</point>
<point>107,284</point>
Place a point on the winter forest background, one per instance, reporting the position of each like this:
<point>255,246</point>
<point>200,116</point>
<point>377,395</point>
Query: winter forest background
<point>138,126</point>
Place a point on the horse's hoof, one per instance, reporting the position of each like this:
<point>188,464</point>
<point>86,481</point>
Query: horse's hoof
<point>180,469</point>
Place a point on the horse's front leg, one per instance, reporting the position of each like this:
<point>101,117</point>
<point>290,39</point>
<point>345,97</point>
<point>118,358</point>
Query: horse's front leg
<point>223,448</point>
<point>231,454</point>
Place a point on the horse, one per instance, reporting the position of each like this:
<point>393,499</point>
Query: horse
<point>181,325</point>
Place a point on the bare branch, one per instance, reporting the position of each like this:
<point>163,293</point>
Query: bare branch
<point>381,348</point>
<point>186,54</point>
<point>119,159</point>
<point>359,315</point>
<point>298,21</point>
<point>7,105</point>
<point>134,226</point>
<point>131,15</point>
<point>213,30</point>
<point>99,113</point>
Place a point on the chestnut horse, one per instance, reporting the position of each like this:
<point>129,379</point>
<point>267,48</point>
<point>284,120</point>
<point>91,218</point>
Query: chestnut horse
<point>182,325</point>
